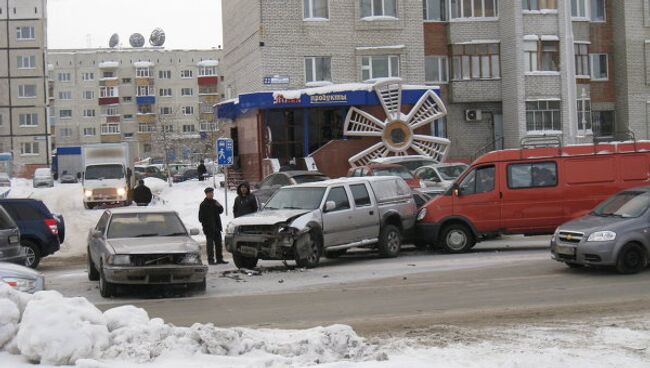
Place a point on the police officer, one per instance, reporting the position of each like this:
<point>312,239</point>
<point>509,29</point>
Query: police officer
<point>209,217</point>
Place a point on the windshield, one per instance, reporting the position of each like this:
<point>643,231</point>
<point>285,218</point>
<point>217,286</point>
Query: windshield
<point>142,225</point>
<point>296,199</point>
<point>626,204</point>
<point>309,178</point>
<point>40,173</point>
<point>100,172</point>
<point>451,172</point>
<point>401,172</point>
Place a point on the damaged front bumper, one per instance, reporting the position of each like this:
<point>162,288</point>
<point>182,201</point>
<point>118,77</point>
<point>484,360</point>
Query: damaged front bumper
<point>152,275</point>
<point>279,245</point>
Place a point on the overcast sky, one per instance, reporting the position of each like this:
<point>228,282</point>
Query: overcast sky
<point>188,24</point>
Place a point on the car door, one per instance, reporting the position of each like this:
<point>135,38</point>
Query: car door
<point>9,235</point>
<point>339,223</point>
<point>478,199</point>
<point>366,216</point>
<point>96,245</point>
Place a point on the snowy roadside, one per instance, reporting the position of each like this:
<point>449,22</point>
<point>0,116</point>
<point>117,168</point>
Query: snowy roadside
<point>52,330</point>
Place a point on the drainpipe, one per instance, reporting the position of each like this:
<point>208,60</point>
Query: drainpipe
<point>568,68</point>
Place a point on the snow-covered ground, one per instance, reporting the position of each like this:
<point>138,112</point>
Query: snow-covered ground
<point>66,199</point>
<point>52,330</point>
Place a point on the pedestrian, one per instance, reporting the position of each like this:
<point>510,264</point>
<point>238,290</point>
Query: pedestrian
<point>201,170</point>
<point>142,194</point>
<point>209,212</point>
<point>245,202</point>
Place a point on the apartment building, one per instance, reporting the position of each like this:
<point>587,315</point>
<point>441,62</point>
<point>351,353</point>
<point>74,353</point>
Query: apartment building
<point>135,94</point>
<point>23,94</point>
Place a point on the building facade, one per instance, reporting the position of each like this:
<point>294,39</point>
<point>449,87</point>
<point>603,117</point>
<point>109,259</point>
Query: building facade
<point>24,130</point>
<point>160,98</point>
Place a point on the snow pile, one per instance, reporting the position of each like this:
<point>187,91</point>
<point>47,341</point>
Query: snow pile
<point>12,305</point>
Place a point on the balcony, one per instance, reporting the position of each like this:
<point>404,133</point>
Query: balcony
<point>143,82</point>
<point>146,118</point>
<point>145,100</point>
<point>109,82</point>
<point>109,65</point>
<point>208,80</point>
<point>108,101</point>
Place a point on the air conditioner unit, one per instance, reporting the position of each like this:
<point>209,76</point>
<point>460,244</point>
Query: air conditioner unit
<point>473,115</point>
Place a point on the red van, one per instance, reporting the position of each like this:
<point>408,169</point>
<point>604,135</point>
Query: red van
<point>530,191</point>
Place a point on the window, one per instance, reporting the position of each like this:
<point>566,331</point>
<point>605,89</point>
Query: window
<point>165,92</point>
<point>127,99</point>
<point>90,132</point>
<point>476,61</point>
<point>146,128</point>
<point>478,181</point>
<point>189,128</point>
<point>146,147</point>
<point>107,92</point>
<point>373,67</point>
<point>582,60</point>
<point>28,120</point>
<point>108,75</point>
<point>360,195</point>
<point>316,9</point>
<point>542,56</point>
<point>436,69</point>
<point>584,115</point>
<point>473,8</point>
<point>187,92</point>
<point>205,71</point>
<point>29,148</point>
<point>166,110</point>
<point>550,60</point>
<point>145,91</point>
<point>65,132</point>
<point>579,8</point>
<point>598,10</point>
<point>26,62</point>
<point>340,199</point>
<point>64,77</point>
<point>110,111</point>
<point>128,117</point>
<point>168,128</point>
<point>208,126</point>
<point>187,110</point>
<point>378,8</point>
<point>145,109</point>
<point>435,10</point>
<point>439,127</point>
<point>65,95</point>
<point>65,114</point>
<point>126,80</point>
<point>532,175</point>
<point>25,33</point>
<point>143,72</point>
<point>165,74</point>
<point>186,74</point>
<point>531,56</point>
<point>27,91</point>
<point>318,69</point>
<point>537,5</point>
<point>543,116</point>
<point>89,95</point>
<point>603,123</point>
<point>87,76</point>
<point>110,129</point>
<point>599,67</point>
<point>89,113</point>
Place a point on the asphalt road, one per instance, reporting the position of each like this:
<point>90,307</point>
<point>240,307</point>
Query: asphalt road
<point>508,280</point>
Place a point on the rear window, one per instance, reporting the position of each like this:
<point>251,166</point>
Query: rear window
<point>309,178</point>
<point>389,189</point>
<point>42,173</point>
<point>413,165</point>
<point>6,222</point>
<point>401,172</point>
<point>23,212</point>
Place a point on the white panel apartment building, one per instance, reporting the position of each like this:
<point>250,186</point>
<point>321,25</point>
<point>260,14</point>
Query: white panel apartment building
<point>23,92</point>
<point>115,95</point>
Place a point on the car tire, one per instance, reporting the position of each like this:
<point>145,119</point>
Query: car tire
<point>32,253</point>
<point>333,254</point>
<point>314,256</point>
<point>243,261</point>
<point>457,238</point>
<point>631,259</point>
<point>390,241</point>
<point>106,289</point>
<point>88,206</point>
<point>93,274</point>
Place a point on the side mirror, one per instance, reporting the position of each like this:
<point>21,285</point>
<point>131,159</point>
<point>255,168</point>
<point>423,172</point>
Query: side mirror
<point>455,188</point>
<point>194,232</point>
<point>97,234</point>
<point>330,206</point>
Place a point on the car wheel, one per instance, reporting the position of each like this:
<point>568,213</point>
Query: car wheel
<point>93,274</point>
<point>631,259</point>
<point>335,253</point>
<point>32,253</point>
<point>315,250</point>
<point>457,238</point>
<point>106,289</point>
<point>390,241</point>
<point>243,261</point>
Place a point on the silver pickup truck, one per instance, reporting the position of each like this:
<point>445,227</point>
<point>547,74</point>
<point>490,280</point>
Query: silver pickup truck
<point>303,222</point>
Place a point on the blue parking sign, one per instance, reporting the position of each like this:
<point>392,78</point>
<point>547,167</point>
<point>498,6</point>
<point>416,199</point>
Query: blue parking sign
<point>224,152</point>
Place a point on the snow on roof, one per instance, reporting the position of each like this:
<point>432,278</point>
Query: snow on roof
<point>550,38</point>
<point>208,63</point>
<point>334,88</point>
<point>109,64</point>
<point>378,17</point>
<point>143,64</point>
<point>392,47</point>
<point>531,37</point>
<point>477,42</point>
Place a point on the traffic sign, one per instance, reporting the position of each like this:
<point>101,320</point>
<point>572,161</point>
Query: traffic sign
<point>225,152</point>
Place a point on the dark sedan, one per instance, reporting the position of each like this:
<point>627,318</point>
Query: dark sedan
<point>267,187</point>
<point>185,175</point>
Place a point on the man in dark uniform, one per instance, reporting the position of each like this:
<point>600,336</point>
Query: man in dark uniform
<point>142,194</point>
<point>201,170</point>
<point>209,212</point>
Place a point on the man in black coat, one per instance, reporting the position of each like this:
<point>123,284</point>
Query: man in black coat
<point>142,194</point>
<point>209,212</point>
<point>201,170</point>
<point>245,202</point>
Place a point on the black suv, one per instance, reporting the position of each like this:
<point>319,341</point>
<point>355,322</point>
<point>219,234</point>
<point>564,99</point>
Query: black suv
<point>10,249</point>
<point>41,232</point>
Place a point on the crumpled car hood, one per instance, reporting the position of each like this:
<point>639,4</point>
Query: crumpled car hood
<point>154,245</point>
<point>268,217</point>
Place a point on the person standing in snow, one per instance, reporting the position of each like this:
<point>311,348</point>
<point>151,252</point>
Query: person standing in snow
<point>142,194</point>
<point>209,217</point>
<point>201,170</point>
<point>245,202</point>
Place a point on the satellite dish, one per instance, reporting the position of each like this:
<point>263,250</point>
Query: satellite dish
<point>115,39</point>
<point>136,40</point>
<point>157,38</point>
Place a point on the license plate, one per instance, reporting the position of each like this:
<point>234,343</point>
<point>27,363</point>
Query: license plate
<point>248,251</point>
<point>567,251</point>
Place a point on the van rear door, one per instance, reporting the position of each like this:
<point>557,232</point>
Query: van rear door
<point>479,199</point>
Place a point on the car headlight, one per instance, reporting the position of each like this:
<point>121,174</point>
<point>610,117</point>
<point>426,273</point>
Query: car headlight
<point>121,191</point>
<point>557,231</point>
<point>422,214</point>
<point>20,284</point>
<point>191,259</point>
<point>119,260</point>
<point>601,236</point>
<point>88,193</point>
<point>231,228</point>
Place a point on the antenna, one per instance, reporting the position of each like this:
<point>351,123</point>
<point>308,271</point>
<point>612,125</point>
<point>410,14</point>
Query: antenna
<point>157,38</point>
<point>136,40</point>
<point>114,41</point>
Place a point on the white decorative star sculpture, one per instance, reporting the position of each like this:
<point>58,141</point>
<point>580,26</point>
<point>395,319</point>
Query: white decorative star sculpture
<point>397,132</point>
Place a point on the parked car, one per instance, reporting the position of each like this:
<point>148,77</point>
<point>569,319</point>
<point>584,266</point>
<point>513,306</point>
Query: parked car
<point>68,178</point>
<point>41,232</point>
<point>421,198</point>
<point>21,278</point>
<point>530,191</point>
<point>267,187</point>
<point>151,171</point>
<point>303,222</point>
<point>143,247</point>
<point>440,176</point>
<point>410,162</point>
<point>388,170</point>
<point>185,175</point>
<point>616,233</point>
<point>10,249</point>
<point>43,178</point>
<point>5,180</point>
